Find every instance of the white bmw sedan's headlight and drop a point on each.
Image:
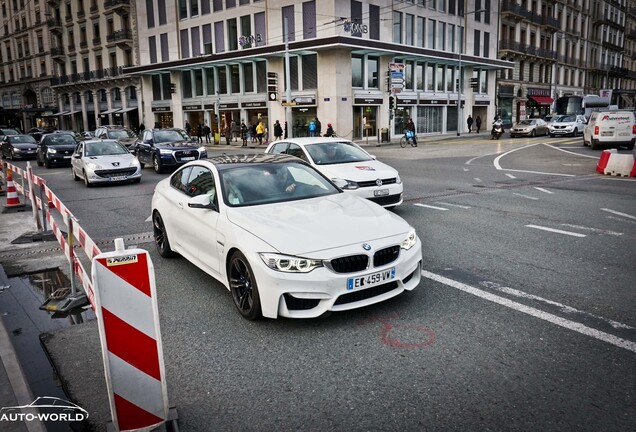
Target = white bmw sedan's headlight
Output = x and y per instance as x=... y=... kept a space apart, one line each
x=410 y=240
x=289 y=264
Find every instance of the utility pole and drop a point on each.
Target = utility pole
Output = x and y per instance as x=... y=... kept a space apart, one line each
x=288 y=109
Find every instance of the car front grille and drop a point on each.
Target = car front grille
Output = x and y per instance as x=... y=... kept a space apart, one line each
x=386 y=200
x=386 y=256
x=372 y=183
x=180 y=154
x=350 y=264
x=116 y=172
x=368 y=293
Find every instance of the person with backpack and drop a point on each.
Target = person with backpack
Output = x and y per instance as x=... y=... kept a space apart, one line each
x=260 y=131
x=278 y=131
x=312 y=128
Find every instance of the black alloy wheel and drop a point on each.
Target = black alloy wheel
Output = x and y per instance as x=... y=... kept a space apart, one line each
x=161 y=236
x=243 y=287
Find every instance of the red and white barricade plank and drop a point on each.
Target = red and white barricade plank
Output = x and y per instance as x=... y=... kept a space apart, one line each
x=127 y=313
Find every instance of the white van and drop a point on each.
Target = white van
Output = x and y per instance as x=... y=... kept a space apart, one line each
x=610 y=129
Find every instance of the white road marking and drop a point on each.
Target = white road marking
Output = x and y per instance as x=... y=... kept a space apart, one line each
x=497 y=166
x=618 y=178
x=149 y=219
x=570 y=233
x=525 y=196
x=431 y=207
x=600 y=231
x=478 y=180
x=466 y=170
x=571 y=152
x=454 y=205
x=562 y=322
x=619 y=213
x=564 y=308
x=511 y=176
x=544 y=190
x=496 y=161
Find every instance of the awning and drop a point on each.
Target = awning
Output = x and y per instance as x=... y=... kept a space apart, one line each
x=72 y=112
x=542 y=100
x=128 y=109
x=60 y=113
x=110 y=111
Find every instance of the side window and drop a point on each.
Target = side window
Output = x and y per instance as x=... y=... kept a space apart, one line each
x=200 y=182
x=295 y=150
x=279 y=148
x=180 y=179
x=79 y=148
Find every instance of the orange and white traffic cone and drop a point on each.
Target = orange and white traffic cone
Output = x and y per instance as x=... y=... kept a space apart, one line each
x=13 y=201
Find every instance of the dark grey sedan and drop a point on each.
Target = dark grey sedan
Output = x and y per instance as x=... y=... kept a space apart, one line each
x=18 y=147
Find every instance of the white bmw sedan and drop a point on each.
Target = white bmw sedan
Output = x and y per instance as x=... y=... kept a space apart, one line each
x=348 y=165
x=282 y=238
x=104 y=161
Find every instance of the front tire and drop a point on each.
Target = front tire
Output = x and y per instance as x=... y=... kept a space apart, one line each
x=86 y=182
x=156 y=164
x=575 y=133
x=161 y=236
x=533 y=133
x=243 y=287
x=39 y=161
x=403 y=142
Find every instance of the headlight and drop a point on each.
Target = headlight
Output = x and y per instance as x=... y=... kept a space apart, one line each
x=165 y=151
x=410 y=240
x=398 y=180
x=201 y=149
x=348 y=184
x=17 y=150
x=134 y=162
x=289 y=264
x=51 y=150
x=92 y=166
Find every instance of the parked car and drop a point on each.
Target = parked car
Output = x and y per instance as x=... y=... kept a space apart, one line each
x=9 y=131
x=529 y=127
x=348 y=165
x=120 y=133
x=567 y=125
x=167 y=148
x=610 y=129
x=293 y=243
x=56 y=149
x=18 y=147
x=104 y=161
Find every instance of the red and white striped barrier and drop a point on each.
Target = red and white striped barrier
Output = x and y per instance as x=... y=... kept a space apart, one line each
x=127 y=313
x=616 y=164
x=13 y=201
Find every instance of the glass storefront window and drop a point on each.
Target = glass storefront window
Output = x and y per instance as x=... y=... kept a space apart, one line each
x=248 y=78
x=372 y=72
x=222 y=79
x=356 y=72
x=429 y=119
x=439 y=83
x=430 y=77
x=198 y=82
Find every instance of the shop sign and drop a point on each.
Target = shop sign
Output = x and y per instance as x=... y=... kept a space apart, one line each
x=368 y=101
x=435 y=102
x=302 y=101
x=250 y=40
x=227 y=106
x=351 y=27
x=404 y=101
x=208 y=107
x=261 y=104
x=538 y=92
x=192 y=107
x=482 y=102
x=161 y=109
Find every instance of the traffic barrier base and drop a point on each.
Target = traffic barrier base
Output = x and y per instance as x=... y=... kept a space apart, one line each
x=619 y=165
x=602 y=162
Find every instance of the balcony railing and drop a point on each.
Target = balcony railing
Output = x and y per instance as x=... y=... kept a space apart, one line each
x=548 y=21
x=97 y=41
x=119 y=35
x=111 y=72
x=57 y=51
x=116 y=5
x=508 y=6
x=54 y=24
x=528 y=49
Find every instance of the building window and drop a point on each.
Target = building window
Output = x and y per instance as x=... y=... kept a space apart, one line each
x=486 y=44
x=47 y=96
x=309 y=19
x=196 y=42
x=152 y=49
x=232 y=34
x=439 y=83
x=356 y=71
x=374 y=22
x=165 y=52
x=194 y=7
x=430 y=34
x=183 y=9
x=310 y=71
x=219 y=37
x=209 y=81
x=476 y=42
x=248 y=77
x=235 y=78
x=522 y=66
x=441 y=36
x=397 y=27
x=421 y=32
x=410 y=30
x=185 y=44
x=288 y=12
x=150 y=13
x=372 y=72
x=161 y=6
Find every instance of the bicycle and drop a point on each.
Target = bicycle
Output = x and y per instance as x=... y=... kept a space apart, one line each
x=409 y=137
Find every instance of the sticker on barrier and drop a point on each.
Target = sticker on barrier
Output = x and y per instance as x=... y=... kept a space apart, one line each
x=127 y=313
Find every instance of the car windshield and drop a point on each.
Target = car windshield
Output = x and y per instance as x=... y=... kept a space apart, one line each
x=10 y=132
x=336 y=153
x=58 y=139
x=527 y=122
x=121 y=134
x=23 y=139
x=104 y=148
x=254 y=184
x=566 y=119
x=168 y=136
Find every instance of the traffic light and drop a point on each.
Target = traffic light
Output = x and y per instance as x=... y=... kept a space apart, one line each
x=474 y=83
x=272 y=86
x=393 y=102
x=173 y=88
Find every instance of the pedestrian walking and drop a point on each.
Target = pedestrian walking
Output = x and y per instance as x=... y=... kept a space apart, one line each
x=235 y=130
x=278 y=131
x=188 y=128
x=318 y=127
x=200 y=133
x=312 y=128
x=469 y=122
x=260 y=131
x=253 y=131
x=206 y=133
x=478 y=123
x=228 y=133
x=244 y=133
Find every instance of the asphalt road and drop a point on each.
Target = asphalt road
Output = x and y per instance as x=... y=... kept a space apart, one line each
x=525 y=318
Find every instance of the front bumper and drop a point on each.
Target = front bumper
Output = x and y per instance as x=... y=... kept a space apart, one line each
x=113 y=175
x=310 y=295
x=24 y=154
x=386 y=196
x=180 y=157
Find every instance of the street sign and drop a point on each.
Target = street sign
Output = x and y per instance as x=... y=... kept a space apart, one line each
x=288 y=103
x=396 y=66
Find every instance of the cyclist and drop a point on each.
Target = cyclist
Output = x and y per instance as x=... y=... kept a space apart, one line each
x=410 y=126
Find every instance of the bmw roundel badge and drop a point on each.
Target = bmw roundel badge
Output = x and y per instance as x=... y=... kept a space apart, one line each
x=366 y=246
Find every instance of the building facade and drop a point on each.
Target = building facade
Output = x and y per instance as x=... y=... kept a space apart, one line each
x=61 y=64
x=560 y=48
x=214 y=62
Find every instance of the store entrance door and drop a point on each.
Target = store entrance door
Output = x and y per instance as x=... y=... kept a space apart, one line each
x=365 y=122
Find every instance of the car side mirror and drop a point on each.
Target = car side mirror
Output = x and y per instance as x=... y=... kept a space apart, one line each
x=204 y=201
x=77 y=155
x=148 y=142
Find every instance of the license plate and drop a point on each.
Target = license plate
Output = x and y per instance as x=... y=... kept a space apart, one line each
x=119 y=178
x=67 y=157
x=371 y=279
x=189 y=158
x=381 y=192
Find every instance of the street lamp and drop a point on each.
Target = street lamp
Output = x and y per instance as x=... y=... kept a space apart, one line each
x=459 y=69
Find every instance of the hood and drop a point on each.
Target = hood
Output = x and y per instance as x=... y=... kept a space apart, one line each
x=127 y=141
x=178 y=144
x=358 y=171
x=62 y=146
x=107 y=161
x=312 y=225
x=25 y=146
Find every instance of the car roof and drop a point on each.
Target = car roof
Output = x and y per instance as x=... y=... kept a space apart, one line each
x=312 y=140
x=227 y=161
